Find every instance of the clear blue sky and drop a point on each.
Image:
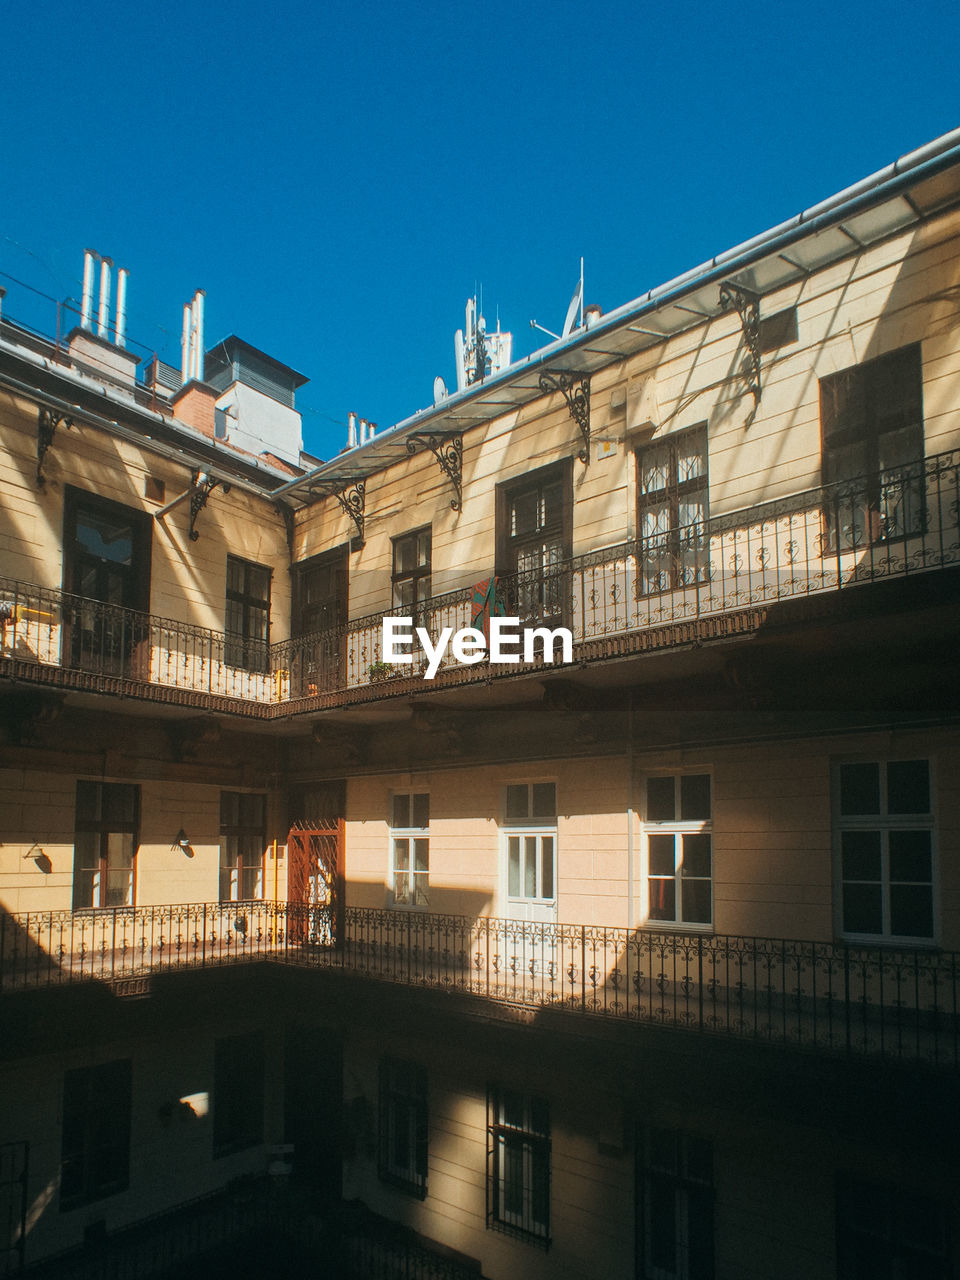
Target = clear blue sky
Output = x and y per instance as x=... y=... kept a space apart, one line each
x=338 y=178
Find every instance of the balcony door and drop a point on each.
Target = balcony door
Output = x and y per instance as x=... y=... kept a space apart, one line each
x=106 y=568
x=672 y=511
x=534 y=544
x=319 y=622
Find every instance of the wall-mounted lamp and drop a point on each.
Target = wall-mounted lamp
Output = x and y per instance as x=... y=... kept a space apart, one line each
x=181 y=842
x=40 y=857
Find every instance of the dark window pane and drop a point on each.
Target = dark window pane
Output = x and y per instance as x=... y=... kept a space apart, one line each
x=546 y=873
x=513 y=867
x=544 y=799
x=908 y=786
x=663 y=900
x=862 y=908
x=663 y=1225
x=517 y=802
x=860 y=855
x=696 y=855
x=860 y=788
x=694 y=796
x=696 y=902
x=401 y=810
x=662 y=854
x=911 y=911
x=910 y=856
x=88 y=801
x=421 y=809
x=661 y=805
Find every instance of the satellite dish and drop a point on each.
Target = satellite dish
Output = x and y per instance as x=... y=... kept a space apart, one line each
x=440 y=391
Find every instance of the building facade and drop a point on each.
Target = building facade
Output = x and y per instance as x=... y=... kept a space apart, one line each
x=607 y=966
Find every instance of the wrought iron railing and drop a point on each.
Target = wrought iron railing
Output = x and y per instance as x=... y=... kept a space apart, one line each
x=895 y=524
x=891 y=1002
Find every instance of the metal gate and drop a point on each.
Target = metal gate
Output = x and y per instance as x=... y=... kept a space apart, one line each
x=315 y=888
x=13 y=1206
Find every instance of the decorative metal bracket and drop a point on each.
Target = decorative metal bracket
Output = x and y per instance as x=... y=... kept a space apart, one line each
x=747 y=305
x=201 y=487
x=351 y=497
x=47 y=422
x=575 y=389
x=448 y=451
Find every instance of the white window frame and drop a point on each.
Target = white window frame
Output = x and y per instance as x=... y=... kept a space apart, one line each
x=533 y=829
x=885 y=823
x=418 y=898
x=677 y=827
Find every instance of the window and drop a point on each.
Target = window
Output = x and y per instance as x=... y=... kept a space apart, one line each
x=410 y=849
x=675 y=1206
x=672 y=511
x=531 y=807
x=238 y=1092
x=411 y=572
x=885 y=1233
x=243 y=837
x=248 y=615
x=320 y=588
x=871 y=425
x=884 y=832
x=95 y=1149
x=534 y=543
x=105 y=844
x=678 y=826
x=403 y=1126
x=518 y=1152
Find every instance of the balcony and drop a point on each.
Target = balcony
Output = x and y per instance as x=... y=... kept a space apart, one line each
x=666 y=589
x=882 y=1003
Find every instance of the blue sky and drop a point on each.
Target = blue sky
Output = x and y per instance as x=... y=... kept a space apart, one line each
x=339 y=178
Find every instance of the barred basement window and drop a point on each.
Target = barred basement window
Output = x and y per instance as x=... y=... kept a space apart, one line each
x=403 y=1126
x=674 y=1212
x=95 y=1146
x=885 y=1232
x=518 y=1161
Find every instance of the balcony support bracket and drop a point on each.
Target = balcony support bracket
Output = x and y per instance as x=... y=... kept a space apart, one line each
x=448 y=451
x=746 y=303
x=575 y=389
x=351 y=496
x=47 y=422
x=201 y=487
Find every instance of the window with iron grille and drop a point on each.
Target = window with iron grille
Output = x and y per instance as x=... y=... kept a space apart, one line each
x=886 y=1233
x=247 y=628
x=871 y=426
x=410 y=849
x=238 y=1092
x=518 y=1154
x=678 y=828
x=674 y=1212
x=884 y=833
x=95 y=1144
x=243 y=838
x=673 y=507
x=105 y=844
x=403 y=1126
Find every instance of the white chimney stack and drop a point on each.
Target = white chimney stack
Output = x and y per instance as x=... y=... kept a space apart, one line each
x=86 y=306
x=185 y=344
x=351 y=430
x=103 y=319
x=363 y=431
x=121 y=323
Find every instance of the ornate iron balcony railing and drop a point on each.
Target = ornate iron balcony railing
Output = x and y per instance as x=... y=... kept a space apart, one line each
x=896 y=524
x=890 y=1003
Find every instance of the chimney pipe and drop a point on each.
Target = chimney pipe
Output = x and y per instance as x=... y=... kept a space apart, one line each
x=371 y=430
x=198 y=299
x=86 y=306
x=363 y=431
x=121 y=323
x=185 y=345
x=103 y=319
x=351 y=430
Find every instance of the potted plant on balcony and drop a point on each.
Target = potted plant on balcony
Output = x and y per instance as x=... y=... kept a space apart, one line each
x=379 y=671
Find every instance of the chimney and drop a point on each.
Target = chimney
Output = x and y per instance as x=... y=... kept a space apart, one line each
x=351 y=430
